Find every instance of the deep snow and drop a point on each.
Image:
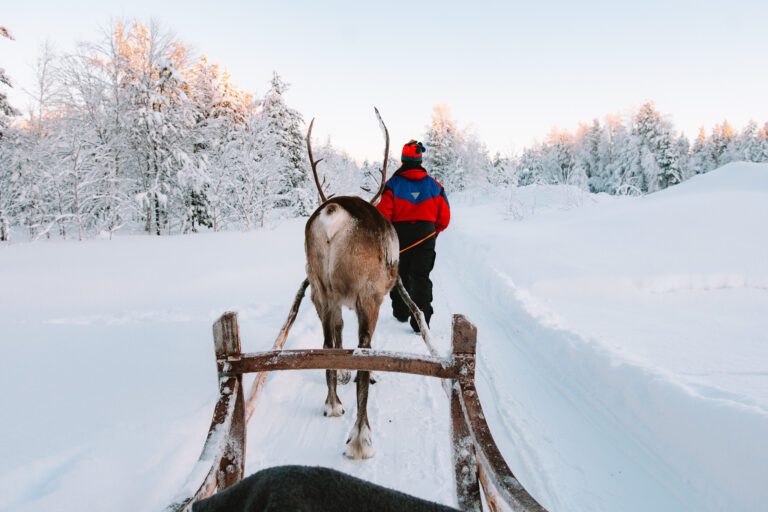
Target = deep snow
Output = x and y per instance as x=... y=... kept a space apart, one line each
x=623 y=347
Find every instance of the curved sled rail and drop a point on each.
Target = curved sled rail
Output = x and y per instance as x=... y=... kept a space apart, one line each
x=478 y=463
x=222 y=460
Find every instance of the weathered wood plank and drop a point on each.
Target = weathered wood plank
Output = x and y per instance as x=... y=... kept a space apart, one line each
x=231 y=467
x=463 y=336
x=464 y=460
x=226 y=336
x=341 y=359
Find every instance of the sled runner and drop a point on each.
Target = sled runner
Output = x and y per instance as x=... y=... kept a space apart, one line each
x=477 y=460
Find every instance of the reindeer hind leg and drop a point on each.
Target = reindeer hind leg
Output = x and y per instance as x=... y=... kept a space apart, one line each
x=333 y=405
x=343 y=376
x=360 y=442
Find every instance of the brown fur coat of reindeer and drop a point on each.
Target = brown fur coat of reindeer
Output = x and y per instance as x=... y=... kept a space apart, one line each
x=352 y=260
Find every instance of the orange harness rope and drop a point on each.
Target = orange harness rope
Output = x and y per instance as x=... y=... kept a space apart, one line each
x=417 y=243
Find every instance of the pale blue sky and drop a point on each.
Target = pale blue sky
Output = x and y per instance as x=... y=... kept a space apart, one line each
x=512 y=70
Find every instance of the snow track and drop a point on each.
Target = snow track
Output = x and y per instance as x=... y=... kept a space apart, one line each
x=561 y=441
x=409 y=416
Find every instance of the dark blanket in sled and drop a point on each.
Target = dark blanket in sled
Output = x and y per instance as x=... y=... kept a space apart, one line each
x=303 y=488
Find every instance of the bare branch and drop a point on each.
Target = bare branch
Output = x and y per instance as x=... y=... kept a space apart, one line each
x=386 y=158
x=314 y=163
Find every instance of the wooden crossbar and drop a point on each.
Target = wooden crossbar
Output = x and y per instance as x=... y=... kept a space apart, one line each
x=341 y=359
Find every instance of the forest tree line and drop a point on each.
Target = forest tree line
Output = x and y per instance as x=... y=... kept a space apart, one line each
x=134 y=132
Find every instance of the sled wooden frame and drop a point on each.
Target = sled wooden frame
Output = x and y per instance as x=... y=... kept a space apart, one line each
x=477 y=460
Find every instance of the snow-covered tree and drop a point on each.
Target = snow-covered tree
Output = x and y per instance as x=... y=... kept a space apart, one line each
x=159 y=125
x=626 y=170
x=282 y=150
x=443 y=143
x=588 y=157
x=10 y=183
x=6 y=110
x=722 y=143
x=529 y=166
x=41 y=202
x=683 y=149
x=746 y=146
x=132 y=130
x=9 y=189
x=702 y=157
x=609 y=148
x=475 y=161
x=659 y=151
x=222 y=113
x=94 y=110
x=502 y=171
x=761 y=150
x=557 y=160
x=253 y=187
x=339 y=171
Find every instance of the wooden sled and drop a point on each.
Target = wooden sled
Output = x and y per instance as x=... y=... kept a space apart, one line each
x=477 y=460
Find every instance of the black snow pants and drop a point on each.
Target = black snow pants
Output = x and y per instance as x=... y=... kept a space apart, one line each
x=415 y=266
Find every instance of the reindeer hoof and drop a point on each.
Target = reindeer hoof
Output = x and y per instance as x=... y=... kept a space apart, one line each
x=333 y=410
x=344 y=376
x=359 y=444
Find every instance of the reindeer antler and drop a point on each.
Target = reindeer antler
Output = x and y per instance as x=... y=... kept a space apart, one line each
x=314 y=163
x=386 y=157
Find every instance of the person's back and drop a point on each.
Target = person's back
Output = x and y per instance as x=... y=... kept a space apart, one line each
x=418 y=208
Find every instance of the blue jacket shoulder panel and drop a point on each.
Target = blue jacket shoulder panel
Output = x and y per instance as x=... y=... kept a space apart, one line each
x=415 y=191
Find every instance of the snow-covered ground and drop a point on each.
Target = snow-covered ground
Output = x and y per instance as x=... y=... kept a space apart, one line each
x=623 y=346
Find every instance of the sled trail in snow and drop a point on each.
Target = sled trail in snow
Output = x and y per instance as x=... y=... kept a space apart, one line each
x=409 y=417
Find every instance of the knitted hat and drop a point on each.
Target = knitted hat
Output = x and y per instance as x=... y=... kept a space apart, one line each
x=412 y=152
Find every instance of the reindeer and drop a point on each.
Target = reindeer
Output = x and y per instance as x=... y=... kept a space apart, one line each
x=352 y=260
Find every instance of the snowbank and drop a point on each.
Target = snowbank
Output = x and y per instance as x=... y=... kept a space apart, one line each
x=652 y=313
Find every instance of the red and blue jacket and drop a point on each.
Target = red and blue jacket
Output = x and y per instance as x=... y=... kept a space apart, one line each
x=411 y=195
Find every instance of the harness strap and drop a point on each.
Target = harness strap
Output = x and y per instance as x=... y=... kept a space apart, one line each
x=419 y=242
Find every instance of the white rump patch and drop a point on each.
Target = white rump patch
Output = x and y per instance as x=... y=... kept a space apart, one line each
x=334 y=219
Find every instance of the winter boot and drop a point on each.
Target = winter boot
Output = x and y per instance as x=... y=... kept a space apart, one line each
x=400 y=316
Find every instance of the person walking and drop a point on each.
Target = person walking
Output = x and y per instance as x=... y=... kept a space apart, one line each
x=418 y=208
